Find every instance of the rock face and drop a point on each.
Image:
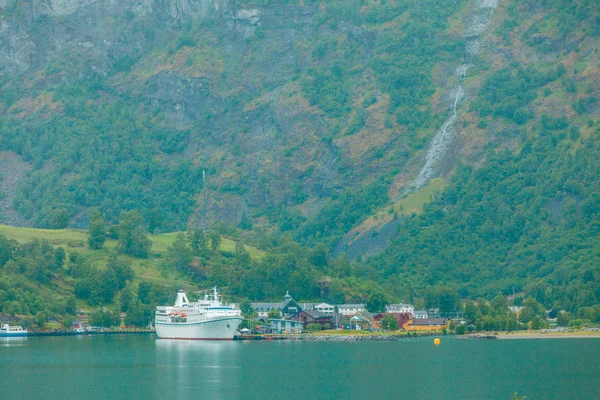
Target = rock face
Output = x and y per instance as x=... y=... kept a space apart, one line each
x=237 y=81
x=12 y=171
x=35 y=31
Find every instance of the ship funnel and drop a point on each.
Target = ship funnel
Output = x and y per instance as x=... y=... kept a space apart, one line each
x=182 y=299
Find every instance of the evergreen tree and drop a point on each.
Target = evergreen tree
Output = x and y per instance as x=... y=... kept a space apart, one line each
x=377 y=302
x=215 y=241
x=197 y=240
x=96 y=231
x=59 y=257
x=121 y=268
x=133 y=239
x=179 y=254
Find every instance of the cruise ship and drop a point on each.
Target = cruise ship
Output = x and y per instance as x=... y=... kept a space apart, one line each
x=12 y=331
x=206 y=319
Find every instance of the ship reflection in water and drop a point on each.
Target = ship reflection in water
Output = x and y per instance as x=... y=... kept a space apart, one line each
x=13 y=341
x=189 y=367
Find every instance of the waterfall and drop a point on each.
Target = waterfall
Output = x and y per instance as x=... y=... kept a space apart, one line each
x=442 y=140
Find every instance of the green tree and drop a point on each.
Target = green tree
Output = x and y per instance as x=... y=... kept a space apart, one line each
x=41 y=318
x=447 y=298
x=133 y=239
x=470 y=310
x=108 y=285
x=389 y=322
x=96 y=230
x=127 y=298
x=136 y=315
x=144 y=292
x=67 y=321
x=197 y=240
x=122 y=269
x=563 y=318
x=377 y=302
x=215 y=240
x=6 y=250
x=500 y=304
x=319 y=257
x=246 y=307
x=71 y=306
x=536 y=323
x=179 y=254
x=59 y=219
x=59 y=257
x=531 y=309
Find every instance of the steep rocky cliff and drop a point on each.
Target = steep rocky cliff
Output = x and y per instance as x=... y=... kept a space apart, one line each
x=318 y=118
x=284 y=104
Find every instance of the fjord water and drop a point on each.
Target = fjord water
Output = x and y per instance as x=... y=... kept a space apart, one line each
x=143 y=367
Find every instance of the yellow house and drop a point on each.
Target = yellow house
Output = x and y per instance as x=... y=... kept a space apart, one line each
x=427 y=324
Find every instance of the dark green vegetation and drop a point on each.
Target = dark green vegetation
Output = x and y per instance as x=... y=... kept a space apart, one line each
x=308 y=123
x=526 y=220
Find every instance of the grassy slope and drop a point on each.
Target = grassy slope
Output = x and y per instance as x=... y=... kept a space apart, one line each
x=411 y=204
x=145 y=269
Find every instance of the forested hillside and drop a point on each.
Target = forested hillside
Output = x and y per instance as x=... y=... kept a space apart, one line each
x=396 y=144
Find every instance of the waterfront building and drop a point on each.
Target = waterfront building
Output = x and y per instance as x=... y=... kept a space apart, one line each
x=350 y=309
x=362 y=321
x=427 y=324
x=401 y=318
x=286 y=326
x=288 y=307
x=325 y=308
x=400 y=308
x=326 y=321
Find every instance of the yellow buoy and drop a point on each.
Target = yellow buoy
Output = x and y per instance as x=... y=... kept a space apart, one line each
x=436 y=341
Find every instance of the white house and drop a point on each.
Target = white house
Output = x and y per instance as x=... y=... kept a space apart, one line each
x=400 y=308
x=325 y=308
x=421 y=314
x=350 y=309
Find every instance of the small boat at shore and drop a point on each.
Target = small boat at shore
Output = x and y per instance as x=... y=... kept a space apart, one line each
x=12 y=331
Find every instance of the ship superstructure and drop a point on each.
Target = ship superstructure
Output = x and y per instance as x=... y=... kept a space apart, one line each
x=12 y=331
x=206 y=319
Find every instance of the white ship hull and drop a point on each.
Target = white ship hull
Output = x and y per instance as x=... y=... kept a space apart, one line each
x=216 y=329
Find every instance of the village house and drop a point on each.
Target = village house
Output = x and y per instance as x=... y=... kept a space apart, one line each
x=286 y=326
x=427 y=324
x=348 y=310
x=325 y=308
x=288 y=307
x=421 y=314
x=400 y=308
x=360 y=322
x=326 y=321
x=401 y=318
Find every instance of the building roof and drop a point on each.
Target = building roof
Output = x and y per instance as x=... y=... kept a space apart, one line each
x=316 y=314
x=265 y=306
x=429 y=321
x=399 y=305
x=323 y=305
x=351 y=306
x=398 y=315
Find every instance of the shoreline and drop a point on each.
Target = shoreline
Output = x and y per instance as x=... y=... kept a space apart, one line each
x=550 y=335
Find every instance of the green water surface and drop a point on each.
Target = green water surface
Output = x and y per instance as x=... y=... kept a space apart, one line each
x=143 y=367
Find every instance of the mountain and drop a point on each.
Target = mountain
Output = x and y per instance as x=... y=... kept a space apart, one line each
x=433 y=143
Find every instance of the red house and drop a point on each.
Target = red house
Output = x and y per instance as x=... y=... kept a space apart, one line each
x=401 y=318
